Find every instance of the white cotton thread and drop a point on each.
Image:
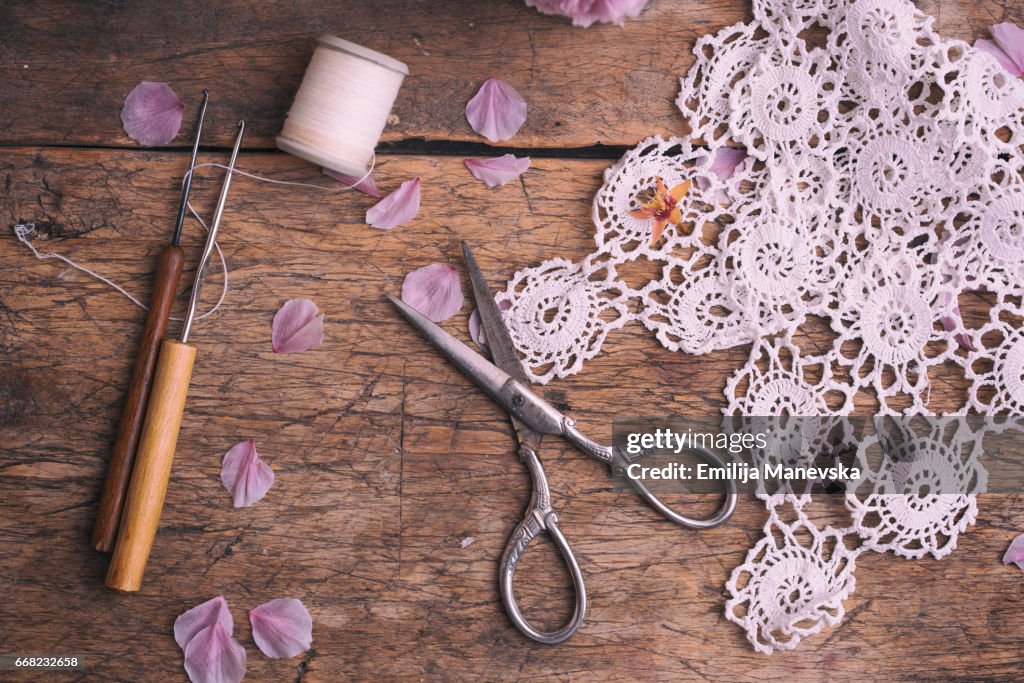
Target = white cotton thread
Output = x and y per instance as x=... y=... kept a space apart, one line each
x=24 y=231
x=342 y=106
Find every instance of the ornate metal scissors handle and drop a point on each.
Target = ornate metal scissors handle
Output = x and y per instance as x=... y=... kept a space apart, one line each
x=527 y=406
x=540 y=517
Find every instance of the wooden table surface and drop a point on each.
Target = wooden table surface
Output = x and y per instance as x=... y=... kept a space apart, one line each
x=386 y=458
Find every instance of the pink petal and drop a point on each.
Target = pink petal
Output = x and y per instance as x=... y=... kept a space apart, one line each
x=610 y=11
x=298 y=326
x=1010 y=38
x=213 y=656
x=244 y=475
x=214 y=610
x=988 y=46
x=496 y=111
x=152 y=114
x=1015 y=553
x=282 y=628
x=400 y=206
x=954 y=321
x=365 y=185
x=498 y=171
x=727 y=160
x=476 y=330
x=434 y=291
x=585 y=12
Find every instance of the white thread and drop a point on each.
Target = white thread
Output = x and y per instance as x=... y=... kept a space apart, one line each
x=24 y=230
x=342 y=106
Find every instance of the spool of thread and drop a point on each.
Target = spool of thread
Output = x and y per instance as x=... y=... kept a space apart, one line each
x=342 y=106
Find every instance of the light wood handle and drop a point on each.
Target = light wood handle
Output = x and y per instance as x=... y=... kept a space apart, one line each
x=148 y=486
x=119 y=471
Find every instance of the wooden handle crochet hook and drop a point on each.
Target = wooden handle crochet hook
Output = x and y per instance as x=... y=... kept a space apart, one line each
x=152 y=470
x=168 y=273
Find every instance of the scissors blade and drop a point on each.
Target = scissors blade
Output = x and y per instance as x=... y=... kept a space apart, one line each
x=487 y=376
x=516 y=398
x=499 y=341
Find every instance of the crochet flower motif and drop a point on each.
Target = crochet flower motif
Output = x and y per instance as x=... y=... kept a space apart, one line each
x=562 y=312
x=787 y=591
x=922 y=496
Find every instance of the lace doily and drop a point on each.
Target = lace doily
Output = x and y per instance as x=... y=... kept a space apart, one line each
x=883 y=179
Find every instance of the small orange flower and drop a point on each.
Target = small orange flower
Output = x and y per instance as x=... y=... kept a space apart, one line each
x=663 y=207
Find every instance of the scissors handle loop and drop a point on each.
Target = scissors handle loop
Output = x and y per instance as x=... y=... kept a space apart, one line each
x=620 y=465
x=540 y=517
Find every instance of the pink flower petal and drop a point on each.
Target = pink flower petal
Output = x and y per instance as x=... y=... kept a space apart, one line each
x=213 y=656
x=298 y=326
x=498 y=171
x=988 y=46
x=727 y=160
x=434 y=291
x=586 y=12
x=954 y=321
x=213 y=611
x=1010 y=38
x=244 y=475
x=152 y=114
x=496 y=111
x=476 y=330
x=399 y=207
x=365 y=185
x=1015 y=553
x=725 y=163
x=282 y=628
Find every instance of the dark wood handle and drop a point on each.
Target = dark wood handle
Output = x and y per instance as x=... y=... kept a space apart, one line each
x=119 y=471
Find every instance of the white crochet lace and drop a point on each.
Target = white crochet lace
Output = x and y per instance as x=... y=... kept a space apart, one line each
x=883 y=180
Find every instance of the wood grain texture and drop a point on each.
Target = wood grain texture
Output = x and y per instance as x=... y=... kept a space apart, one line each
x=66 y=66
x=386 y=457
x=119 y=470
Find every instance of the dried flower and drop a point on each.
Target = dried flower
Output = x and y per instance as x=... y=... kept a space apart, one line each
x=662 y=206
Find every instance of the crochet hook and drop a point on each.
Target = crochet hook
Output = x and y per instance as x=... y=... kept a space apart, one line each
x=168 y=273
x=152 y=470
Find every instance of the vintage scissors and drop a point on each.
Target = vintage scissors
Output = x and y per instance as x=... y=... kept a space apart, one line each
x=506 y=382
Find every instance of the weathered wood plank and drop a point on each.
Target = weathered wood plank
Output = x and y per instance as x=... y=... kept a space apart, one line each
x=386 y=457
x=61 y=84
